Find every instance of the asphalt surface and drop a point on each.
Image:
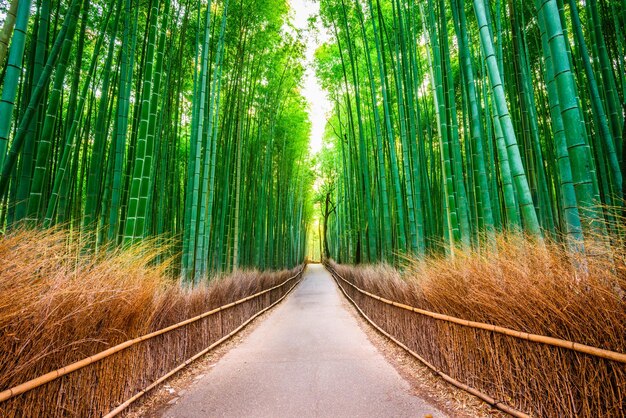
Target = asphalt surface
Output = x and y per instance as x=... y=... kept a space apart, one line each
x=308 y=358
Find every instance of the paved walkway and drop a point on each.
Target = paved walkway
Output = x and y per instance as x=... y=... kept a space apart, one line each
x=308 y=358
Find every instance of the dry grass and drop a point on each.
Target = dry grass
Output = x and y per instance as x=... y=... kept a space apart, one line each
x=58 y=306
x=521 y=285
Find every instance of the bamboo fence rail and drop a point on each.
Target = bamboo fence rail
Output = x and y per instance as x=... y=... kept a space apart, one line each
x=491 y=401
x=128 y=402
x=555 y=342
x=268 y=301
x=391 y=328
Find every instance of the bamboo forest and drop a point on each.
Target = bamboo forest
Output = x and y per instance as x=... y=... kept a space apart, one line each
x=453 y=165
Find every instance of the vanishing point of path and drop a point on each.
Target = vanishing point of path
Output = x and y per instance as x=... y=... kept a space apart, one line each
x=308 y=358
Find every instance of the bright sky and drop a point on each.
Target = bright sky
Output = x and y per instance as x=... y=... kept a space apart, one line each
x=319 y=105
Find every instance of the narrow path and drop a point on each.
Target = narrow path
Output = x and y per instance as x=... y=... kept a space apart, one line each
x=309 y=358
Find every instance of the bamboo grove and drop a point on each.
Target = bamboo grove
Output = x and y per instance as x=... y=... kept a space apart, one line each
x=126 y=119
x=456 y=120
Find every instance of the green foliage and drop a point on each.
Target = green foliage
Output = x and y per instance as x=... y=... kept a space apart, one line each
x=454 y=120
x=158 y=118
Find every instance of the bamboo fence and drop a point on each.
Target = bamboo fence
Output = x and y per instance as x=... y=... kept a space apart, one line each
x=84 y=388
x=542 y=375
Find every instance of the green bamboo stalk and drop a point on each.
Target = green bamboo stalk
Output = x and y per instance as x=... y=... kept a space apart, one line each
x=12 y=77
x=531 y=223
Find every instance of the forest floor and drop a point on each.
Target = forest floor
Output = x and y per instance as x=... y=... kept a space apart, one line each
x=311 y=356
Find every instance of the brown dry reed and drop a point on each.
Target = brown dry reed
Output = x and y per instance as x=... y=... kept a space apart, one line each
x=59 y=305
x=523 y=285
